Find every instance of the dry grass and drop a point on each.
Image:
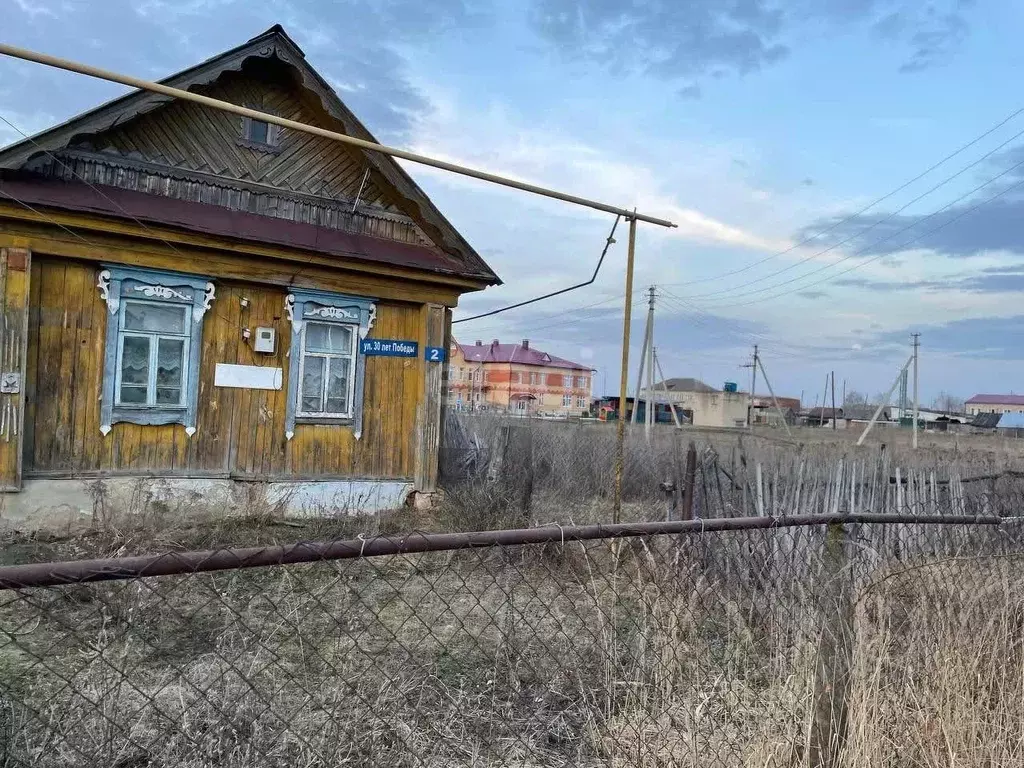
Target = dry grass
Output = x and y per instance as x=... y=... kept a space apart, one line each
x=665 y=653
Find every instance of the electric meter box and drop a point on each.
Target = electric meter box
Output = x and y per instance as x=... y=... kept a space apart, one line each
x=265 y=340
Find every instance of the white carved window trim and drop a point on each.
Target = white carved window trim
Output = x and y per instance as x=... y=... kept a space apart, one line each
x=303 y=306
x=118 y=284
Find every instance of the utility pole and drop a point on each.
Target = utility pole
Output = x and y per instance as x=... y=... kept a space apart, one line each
x=664 y=387
x=775 y=400
x=620 y=433
x=645 y=350
x=753 y=385
x=640 y=369
x=834 y=401
x=649 y=411
x=917 y=345
x=824 y=399
x=885 y=400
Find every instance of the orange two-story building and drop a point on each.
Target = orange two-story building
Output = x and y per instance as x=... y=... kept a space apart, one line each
x=516 y=378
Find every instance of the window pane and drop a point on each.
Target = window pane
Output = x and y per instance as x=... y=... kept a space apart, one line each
x=169 y=365
x=168 y=396
x=258 y=131
x=135 y=362
x=329 y=337
x=312 y=385
x=156 y=318
x=133 y=394
x=337 y=385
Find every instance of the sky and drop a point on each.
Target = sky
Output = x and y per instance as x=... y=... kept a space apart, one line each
x=843 y=173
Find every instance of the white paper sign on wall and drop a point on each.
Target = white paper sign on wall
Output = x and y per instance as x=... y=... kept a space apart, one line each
x=247 y=376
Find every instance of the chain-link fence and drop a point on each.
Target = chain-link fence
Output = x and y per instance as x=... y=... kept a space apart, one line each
x=854 y=644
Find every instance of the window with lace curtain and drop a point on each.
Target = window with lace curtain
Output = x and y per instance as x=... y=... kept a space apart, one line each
x=154 y=331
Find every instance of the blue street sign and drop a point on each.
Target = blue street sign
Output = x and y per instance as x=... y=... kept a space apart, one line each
x=389 y=347
x=434 y=354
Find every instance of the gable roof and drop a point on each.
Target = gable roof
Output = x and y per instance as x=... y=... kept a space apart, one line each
x=864 y=412
x=683 y=385
x=986 y=420
x=496 y=352
x=1011 y=421
x=996 y=400
x=275 y=42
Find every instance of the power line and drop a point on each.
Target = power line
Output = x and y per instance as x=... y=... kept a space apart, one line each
x=868 y=207
x=604 y=252
x=619 y=297
x=870 y=246
x=714 y=323
x=861 y=232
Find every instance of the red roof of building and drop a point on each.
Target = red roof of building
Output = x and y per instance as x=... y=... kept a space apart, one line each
x=214 y=220
x=520 y=354
x=996 y=400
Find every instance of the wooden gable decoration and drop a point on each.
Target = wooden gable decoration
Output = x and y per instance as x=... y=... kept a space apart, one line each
x=149 y=143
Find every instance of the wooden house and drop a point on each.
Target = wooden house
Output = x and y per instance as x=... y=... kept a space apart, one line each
x=205 y=301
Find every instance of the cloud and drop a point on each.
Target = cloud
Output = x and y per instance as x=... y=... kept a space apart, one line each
x=968 y=229
x=709 y=38
x=32 y=9
x=499 y=140
x=989 y=280
x=996 y=338
x=932 y=34
x=155 y=38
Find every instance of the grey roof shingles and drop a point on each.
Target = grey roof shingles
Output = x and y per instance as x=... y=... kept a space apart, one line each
x=683 y=385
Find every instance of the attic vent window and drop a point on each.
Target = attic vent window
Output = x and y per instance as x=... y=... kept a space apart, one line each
x=258 y=131
x=259 y=134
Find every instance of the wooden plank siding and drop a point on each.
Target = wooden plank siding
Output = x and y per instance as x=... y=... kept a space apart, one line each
x=152 y=247
x=15 y=288
x=240 y=432
x=193 y=137
x=190 y=152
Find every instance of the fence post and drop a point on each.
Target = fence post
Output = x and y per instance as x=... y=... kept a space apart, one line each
x=525 y=447
x=689 y=483
x=835 y=646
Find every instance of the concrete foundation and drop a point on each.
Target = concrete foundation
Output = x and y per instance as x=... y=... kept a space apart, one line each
x=48 y=503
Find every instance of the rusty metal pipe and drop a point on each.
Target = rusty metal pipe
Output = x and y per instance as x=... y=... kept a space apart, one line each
x=178 y=563
x=177 y=93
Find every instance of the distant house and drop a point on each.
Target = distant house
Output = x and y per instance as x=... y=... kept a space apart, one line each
x=985 y=421
x=995 y=404
x=518 y=378
x=707 y=406
x=765 y=411
x=814 y=417
x=863 y=413
x=607 y=408
x=1014 y=421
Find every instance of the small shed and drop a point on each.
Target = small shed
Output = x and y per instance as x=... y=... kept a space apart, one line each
x=196 y=300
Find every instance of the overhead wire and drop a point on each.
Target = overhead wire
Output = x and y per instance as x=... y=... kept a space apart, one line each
x=604 y=252
x=869 y=206
x=619 y=297
x=714 y=325
x=870 y=246
x=859 y=234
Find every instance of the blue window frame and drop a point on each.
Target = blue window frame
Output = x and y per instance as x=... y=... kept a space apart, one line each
x=326 y=370
x=154 y=332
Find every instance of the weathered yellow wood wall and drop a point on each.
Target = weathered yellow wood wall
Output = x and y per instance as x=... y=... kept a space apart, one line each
x=239 y=432
x=15 y=264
